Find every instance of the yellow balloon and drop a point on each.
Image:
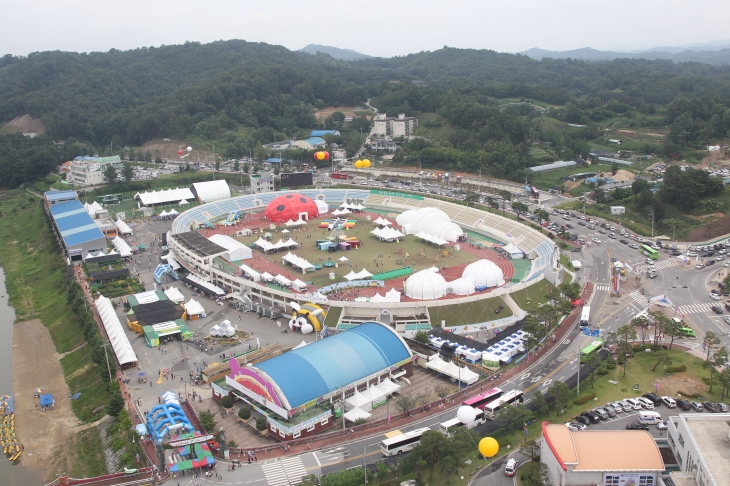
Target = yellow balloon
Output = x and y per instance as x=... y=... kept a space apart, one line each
x=366 y=163
x=358 y=164
x=488 y=447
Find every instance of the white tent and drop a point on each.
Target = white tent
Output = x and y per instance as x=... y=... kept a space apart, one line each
x=282 y=280
x=121 y=246
x=171 y=260
x=183 y=202
x=363 y=274
x=194 y=308
x=163 y=213
x=358 y=206
x=250 y=272
x=118 y=338
x=267 y=277
x=236 y=250
x=429 y=220
x=322 y=206
x=300 y=345
x=350 y=276
x=431 y=238
x=343 y=259
x=224 y=329
x=285 y=231
x=483 y=273
x=357 y=400
x=514 y=252
x=298 y=262
x=338 y=212
x=425 y=285
x=299 y=285
x=122 y=227
x=382 y=222
x=174 y=295
x=298 y=222
x=164 y=196
x=172 y=212
x=356 y=414
x=577 y=264
x=372 y=393
x=264 y=245
x=93 y=209
x=436 y=364
x=387 y=387
x=147 y=297
x=211 y=190
x=462 y=286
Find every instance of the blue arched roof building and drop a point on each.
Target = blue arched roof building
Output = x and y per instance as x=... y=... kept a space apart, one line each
x=322 y=367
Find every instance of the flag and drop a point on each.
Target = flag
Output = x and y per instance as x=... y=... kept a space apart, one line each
x=137 y=457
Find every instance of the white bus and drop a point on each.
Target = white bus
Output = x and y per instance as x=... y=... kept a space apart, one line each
x=402 y=443
x=447 y=428
x=511 y=397
x=585 y=316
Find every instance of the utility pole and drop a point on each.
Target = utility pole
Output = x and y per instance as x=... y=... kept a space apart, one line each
x=652 y=225
x=107 y=360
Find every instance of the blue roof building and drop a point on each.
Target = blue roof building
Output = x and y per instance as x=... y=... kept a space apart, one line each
x=77 y=230
x=322 y=133
x=315 y=373
x=59 y=197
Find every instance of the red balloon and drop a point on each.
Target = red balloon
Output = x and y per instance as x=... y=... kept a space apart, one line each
x=326 y=156
x=179 y=152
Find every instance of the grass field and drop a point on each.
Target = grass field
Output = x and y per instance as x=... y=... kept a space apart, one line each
x=553 y=178
x=82 y=375
x=433 y=126
x=532 y=295
x=364 y=257
x=469 y=313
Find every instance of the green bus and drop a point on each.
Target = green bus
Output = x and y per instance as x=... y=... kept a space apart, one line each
x=594 y=346
x=650 y=252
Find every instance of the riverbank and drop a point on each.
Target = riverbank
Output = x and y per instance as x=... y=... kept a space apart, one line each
x=45 y=435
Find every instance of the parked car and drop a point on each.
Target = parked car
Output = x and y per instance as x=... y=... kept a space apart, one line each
x=637 y=425
x=648 y=404
x=576 y=426
x=722 y=406
x=714 y=296
x=581 y=419
x=683 y=404
x=711 y=407
x=669 y=402
x=593 y=417
x=654 y=399
x=696 y=406
x=635 y=403
x=627 y=406
x=618 y=406
x=576 y=249
x=602 y=413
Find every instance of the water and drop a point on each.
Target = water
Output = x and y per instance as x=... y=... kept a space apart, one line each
x=11 y=475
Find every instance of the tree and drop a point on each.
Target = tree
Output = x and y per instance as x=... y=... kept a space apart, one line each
x=245 y=168
x=110 y=174
x=259 y=152
x=724 y=377
x=116 y=400
x=515 y=417
x=541 y=215
x=670 y=328
x=148 y=156
x=622 y=339
x=404 y=403
x=599 y=195
x=227 y=401
x=571 y=290
x=718 y=361
x=236 y=166
x=442 y=391
x=421 y=337
x=207 y=420
x=538 y=401
x=471 y=198
x=127 y=171
x=158 y=160
x=519 y=208
x=664 y=359
x=642 y=322
x=710 y=342
x=531 y=448
x=430 y=448
x=593 y=359
x=562 y=396
x=217 y=164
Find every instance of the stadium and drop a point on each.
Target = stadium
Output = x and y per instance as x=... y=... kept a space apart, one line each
x=363 y=255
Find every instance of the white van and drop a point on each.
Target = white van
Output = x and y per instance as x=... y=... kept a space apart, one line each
x=649 y=417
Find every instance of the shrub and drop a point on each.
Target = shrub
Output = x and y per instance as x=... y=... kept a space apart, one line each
x=584 y=399
x=611 y=365
x=244 y=413
x=227 y=401
x=261 y=423
x=602 y=371
x=689 y=395
x=675 y=369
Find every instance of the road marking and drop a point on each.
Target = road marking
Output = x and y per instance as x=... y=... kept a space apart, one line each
x=394 y=433
x=546 y=383
x=548 y=376
x=536 y=379
x=316 y=458
x=525 y=376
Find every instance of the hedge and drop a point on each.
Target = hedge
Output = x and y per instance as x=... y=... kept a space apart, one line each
x=584 y=399
x=689 y=395
x=675 y=369
x=244 y=413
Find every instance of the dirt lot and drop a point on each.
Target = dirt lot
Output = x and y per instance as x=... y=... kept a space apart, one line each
x=325 y=112
x=23 y=124
x=45 y=435
x=623 y=175
x=718 y=227
x=167 y=150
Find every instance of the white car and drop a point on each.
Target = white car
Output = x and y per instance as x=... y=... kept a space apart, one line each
x=714 y=297
x=726 y=265
x=691 y=253
x=596 y=240
x=662 y=425
x=634 y=246
x=648 y=404
x=634 y=403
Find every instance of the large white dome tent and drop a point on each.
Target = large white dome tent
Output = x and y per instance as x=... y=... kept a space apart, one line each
x=425 y=285
x=483 y=274
x=461 y=286
x=429 y=220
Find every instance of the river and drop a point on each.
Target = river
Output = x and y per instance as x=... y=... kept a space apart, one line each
x=11 y=475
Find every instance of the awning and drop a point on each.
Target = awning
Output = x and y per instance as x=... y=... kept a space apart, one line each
x=114 y=274
x=201 y=284
x=356 y=414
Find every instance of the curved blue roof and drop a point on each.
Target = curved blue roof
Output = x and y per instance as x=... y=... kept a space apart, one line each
x=322 y=367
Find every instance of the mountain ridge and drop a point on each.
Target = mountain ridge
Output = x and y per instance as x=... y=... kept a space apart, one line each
x=336 y=52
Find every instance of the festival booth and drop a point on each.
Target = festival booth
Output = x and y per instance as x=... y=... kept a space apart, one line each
x=223 y=330
x=249 y=272
x=356 y=414
x=299 y=285
x=174 y=294
x=122 y=227
x=390 y=296
x=160 y=332
x=513 y=252
x=194 y=454
x=194 y=310
x=120 y=342
x=122 y=247
x=282 y=280
x=206 y=287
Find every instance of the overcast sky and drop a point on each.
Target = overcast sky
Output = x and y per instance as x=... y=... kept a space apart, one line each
x=375 y=27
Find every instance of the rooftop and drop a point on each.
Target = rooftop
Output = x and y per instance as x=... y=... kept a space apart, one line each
x=199 y=244
x=56 y=195
x=585 y=450
x=710 y=433
x=74 y=223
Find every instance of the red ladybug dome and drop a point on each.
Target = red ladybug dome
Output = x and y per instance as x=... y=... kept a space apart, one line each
x=290 y=206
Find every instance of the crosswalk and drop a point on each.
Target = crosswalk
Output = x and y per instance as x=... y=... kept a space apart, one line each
x=603 y=287
x=695 y=308
x=640 y=299
x=284 y=471
x=658 y=265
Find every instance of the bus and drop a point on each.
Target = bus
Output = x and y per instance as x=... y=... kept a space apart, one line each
x=482 y=399
x=447 y=428
x=339 y=175
x=585 y=316
x=512 y=397
x=649 y=251
x=402 y=443
x=594 y=346
x=534 y=193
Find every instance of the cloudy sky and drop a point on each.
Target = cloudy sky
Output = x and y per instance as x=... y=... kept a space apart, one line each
x=375 y=27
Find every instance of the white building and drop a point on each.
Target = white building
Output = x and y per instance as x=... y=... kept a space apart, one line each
x=402 y=126
x=700 y=444
x=89 y=171
x=263 y=182
x=600 y=457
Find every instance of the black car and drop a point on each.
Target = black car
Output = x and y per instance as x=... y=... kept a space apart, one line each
x=582 y=419
x=576 y=249
x=582 y=223
x=625 y=242
x=716 y=309
x=569 y=225
x=683 y=404
x=709 y=262
x=592 y=416
x=711 y=407
x=676 y=253
x=637 y=425
x=654 y=399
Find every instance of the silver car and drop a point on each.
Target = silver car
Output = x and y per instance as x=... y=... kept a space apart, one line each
x=617 y=406
x=626 y=405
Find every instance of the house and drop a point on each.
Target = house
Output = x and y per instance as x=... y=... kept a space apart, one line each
x=402 y=126
x=309 y=144
x=383 y=144
x=263 y=182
